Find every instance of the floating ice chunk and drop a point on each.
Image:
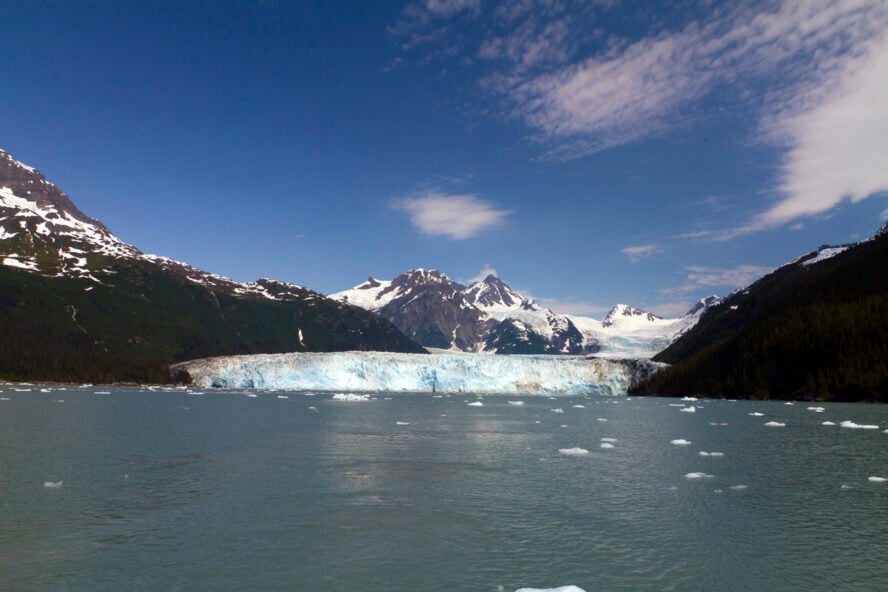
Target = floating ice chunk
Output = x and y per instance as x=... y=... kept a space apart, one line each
x=350 y=397
x=676 y=404
x=775 y=424
x=606 y=445
x=817 y=409
x=609 y=440
x=858 y=426
x=516 y=403
x=690 y=409
x=402 y=423
x=476 y=404
x=845 y=487
x=58 y=484
x=871 y=479
x=828 y=423
x=698 y=476
x=790 y=403
x=689 y=398
x=575 y=451
x=45 y=390
x=579 y=406
x=252 y=395
x=313 y=408
x=559 y=589
x=564 y=425
x=601 y=419
x=559 y=410
x=757 y=414
x=680 y=442
x=738 y=487
x=4 y=398
x=286 y=397
x=715 y=454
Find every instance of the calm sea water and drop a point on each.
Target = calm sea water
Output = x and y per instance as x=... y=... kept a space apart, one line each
x=172 y=491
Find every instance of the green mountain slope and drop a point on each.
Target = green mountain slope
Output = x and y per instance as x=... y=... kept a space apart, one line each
x=78 y=304
x=815 y=331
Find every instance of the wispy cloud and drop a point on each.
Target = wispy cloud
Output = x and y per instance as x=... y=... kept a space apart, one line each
x=455 y=216
x=714 y=278
x=639 y=252
x=809 y=75
x=485 y=271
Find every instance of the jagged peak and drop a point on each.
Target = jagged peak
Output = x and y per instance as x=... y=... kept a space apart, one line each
x=624 y=310
x=703 y=304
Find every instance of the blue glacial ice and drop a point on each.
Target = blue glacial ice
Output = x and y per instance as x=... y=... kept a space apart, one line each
x=421 y=373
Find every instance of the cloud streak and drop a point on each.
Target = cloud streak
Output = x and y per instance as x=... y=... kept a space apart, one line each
x=457 y=217
x=709 y=278
x=639 y=252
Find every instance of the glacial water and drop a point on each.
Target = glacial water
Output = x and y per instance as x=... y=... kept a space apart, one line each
x=138 y=490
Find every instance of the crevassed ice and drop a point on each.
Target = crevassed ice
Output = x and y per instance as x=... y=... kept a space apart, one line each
x=423 y=373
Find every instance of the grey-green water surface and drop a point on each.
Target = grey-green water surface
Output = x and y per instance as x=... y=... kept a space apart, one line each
x=172 y=491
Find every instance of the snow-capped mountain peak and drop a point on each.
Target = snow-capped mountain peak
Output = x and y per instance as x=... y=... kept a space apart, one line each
x=625 y=315
x=492 y=293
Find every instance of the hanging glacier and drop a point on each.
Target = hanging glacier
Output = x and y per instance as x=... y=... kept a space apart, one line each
x=420 y=373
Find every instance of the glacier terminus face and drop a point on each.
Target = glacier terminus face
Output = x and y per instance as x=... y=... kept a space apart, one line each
x=446 y=373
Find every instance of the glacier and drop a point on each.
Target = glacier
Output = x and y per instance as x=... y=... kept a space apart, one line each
x=420 y=373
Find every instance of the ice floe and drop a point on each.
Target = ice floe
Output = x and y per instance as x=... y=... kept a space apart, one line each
x=476 y=404
x=775 y=424
x=858 y=426
x=606 y=445
x=757 y=414
x=516 y=403
x=58 y=484
x=698 y=476
x=716 y=454
x=817 y=409
x=680 y=442
x=575 y=451
x=350 y=397
x=738 y=487
x=579 y=406
x=559 y=589
x=690 y=409
x=872 y=479
x=689 y=398
x=828 y=423
x=608 y=439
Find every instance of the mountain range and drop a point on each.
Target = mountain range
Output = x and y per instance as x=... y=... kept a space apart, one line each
x=78 y=303
x=489 y=316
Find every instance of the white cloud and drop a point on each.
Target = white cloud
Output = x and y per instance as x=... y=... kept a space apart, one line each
x=671 y=310
x=639 y=252
x=700 y=277
x=485 y=271
x=839 y=148
x=455 y=216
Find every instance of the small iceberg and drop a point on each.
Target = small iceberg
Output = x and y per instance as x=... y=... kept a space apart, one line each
x=58 y=484
x=402 y=423
x=738 y=487
x=606 y=445
x=560 y=589
x=516 y=403
x=693 y=399
x=350 y=397
x=476 y=404
x=757 y=414
x=828 y=423
x=575 y=451
x=871 y=479
x=817 y=409
x=698 y=476
x=680 y=442
x=579 y=406
x=601 y=419
x=715 y=454
x=608 y=439
x=775 y=424
x=858 y=426
x=690 y=409
x=559 y=410
x=252 y=395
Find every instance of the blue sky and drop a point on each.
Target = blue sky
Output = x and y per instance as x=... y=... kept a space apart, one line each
x=589 y=152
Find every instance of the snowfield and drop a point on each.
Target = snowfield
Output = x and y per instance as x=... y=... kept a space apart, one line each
x=431 y=373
